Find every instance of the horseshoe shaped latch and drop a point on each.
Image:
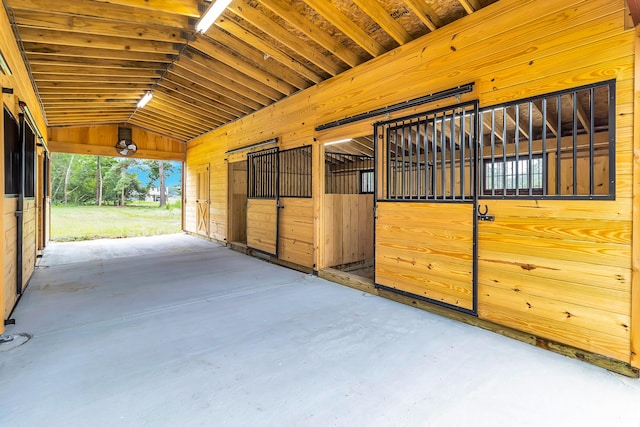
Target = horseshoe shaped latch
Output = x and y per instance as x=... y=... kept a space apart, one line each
x=482 y=214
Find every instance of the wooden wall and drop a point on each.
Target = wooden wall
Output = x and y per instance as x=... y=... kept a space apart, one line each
x=510 y=50
x=20 y=83
x=101 y=140
x=348 y=228
x=237 y=215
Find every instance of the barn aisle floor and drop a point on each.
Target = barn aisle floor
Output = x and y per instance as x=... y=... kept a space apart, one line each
x=178 y=331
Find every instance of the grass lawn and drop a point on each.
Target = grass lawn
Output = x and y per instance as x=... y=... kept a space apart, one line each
x=98 y=222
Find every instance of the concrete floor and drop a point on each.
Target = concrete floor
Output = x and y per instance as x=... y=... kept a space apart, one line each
x=177 y=331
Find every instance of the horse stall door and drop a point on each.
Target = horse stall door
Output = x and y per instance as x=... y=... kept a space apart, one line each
x=237 y=202
x=425 y=207
x=295 y=207
x=262 y=201
x=202 y=201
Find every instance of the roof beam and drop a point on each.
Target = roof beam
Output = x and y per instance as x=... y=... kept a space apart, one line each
x=197 y=95
x=70 y=70
x=470 y=6
x=336 y=18
x=247 y=36
x=96 y=26
x=87 y=52
x=238 y=65
x=384 y=19
x=258 y=58
x=102 y=10
x=312 y=31
x=67 y=38
x=73 y=61
x=260 y=21
x=425 y=13
x=178 y=7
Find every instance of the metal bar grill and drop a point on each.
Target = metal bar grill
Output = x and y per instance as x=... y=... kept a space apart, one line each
x=429 y=156
x=294 y=179
x=559 y=145
x=348 y=173
x=262 y=170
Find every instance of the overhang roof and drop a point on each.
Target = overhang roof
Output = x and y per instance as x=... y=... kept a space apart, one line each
x=92 y=60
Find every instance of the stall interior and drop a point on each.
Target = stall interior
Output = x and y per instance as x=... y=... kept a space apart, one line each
x=348 y=206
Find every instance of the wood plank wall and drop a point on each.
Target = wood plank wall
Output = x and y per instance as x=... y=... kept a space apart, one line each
x=348 y=225
x=510 y=50
x=101 y=140
x=20 y=83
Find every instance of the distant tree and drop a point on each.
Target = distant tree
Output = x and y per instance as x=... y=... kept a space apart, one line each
x=158 y=171
x=122 y=183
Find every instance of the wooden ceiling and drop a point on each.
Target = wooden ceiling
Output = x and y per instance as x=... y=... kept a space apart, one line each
x=92 y=60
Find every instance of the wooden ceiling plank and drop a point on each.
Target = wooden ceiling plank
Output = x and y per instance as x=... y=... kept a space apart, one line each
x=67 y=38
x=215 y=51
x=225 y=94
x=201 y=99
x=101 y=10
x=160 y=121
x=385 y=20
x=57 y=92
x=339 y=20
x=190 y=112
x=260 y=21
x=188 y=116
x=106 y=106
x=142 y=126
x=178 y=7
x=54 y=98
x=186 y=91
x=97 y=26
x=145 y=126
x=85 y=52
x=218 y=73
x=43 y=59
x=205 y=110
x=238 y=31
x=424 y=13
x=93 y=102
x=88 y=78
x=173 y=117
x=256 y=58
x=312 y=31
x=89 y=71
x=114 y=87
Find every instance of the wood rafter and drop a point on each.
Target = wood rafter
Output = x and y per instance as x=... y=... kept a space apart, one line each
x=92 y=60
x=312 y=31
x=384 y=19
x=260 y=21
x=425 y=14
x=344 y=24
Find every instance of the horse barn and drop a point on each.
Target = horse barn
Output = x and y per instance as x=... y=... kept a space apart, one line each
x=477 y=159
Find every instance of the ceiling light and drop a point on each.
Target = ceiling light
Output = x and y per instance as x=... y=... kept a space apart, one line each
x=210 y=16
x=146 y=98
x=340 y=141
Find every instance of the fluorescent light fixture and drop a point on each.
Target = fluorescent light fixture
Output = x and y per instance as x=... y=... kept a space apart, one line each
x=340 y=141
x=4 y=66
x=146 y=98
x=210 y=16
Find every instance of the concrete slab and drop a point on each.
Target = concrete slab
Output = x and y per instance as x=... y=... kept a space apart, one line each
x=176 y=330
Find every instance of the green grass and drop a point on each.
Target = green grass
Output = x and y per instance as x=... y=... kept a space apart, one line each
x=69 y=223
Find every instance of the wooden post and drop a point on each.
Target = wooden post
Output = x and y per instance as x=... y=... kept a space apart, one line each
x=2 y=252
x=635 y=274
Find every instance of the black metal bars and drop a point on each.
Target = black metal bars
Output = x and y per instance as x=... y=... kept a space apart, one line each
x=560 y=145
x=429 y=156
x=348 y=173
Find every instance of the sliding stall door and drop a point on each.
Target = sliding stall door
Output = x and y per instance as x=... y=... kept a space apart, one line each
x=425 y=207
x=262 y=201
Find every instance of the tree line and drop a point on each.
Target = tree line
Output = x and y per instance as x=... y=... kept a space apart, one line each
x=83 y=180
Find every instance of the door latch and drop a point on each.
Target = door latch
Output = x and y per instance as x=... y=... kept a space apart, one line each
x=482 y=214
